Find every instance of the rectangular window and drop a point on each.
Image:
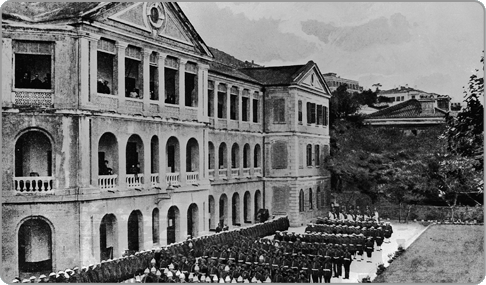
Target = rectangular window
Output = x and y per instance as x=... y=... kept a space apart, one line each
x=403 y=98
x=33 y=64
x=320 y=120
x=191 y=85
x=309 y=117
x=299 y=106
x=255 y=110
x=234 y=107
x=313 y=113
x=171 y=78
x=317 y=155
x=133 y=71
x=245 y=108
x=279 y=111
x=211 y=99
x=222 y=101
x=309 y=155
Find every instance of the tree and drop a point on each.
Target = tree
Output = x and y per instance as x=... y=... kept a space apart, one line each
x=342 y=105
x=464 y=133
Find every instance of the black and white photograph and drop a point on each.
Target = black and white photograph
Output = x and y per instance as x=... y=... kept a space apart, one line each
x=242 y=142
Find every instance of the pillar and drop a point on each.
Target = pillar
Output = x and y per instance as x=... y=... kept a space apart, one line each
x=93 y=66
x=162 y=163
x=183 y=222
x=250 y=119
x=122 y=161
x=182 y=161
x=121 y=71
x=182 y=83
x=147 y=159
x=84 y=70
x=84 y=147
x=215 y=103
x=216 y=160
x=146 y=78
x=161 y=67
x=228 y=104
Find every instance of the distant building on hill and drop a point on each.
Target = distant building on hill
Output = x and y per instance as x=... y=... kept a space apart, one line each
x=334 y=81
x=405 y=93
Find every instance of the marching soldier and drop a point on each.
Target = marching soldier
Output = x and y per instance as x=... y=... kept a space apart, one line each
x=347 y=259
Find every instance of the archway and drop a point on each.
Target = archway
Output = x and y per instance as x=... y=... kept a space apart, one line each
x=246 y=207
x=212 y=212
x=192 y=161
x=258 y=202
x=134 y=162
x=211 y=159
x=173 y=226
x=108 y=237
x=223 y=210
x=135 y=231
x=35 y=247
x=33 y=158
x=154 y=161
x=173 y=161
x=235 y=209
x=246 y=156
x=107 y=161
x=193 y=220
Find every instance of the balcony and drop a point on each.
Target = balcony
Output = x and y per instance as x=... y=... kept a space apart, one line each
x=173 y=178
x=235 y=173
x=34 y=185
x=134 y=181
x=246 y=172
x=211 y=173
x=33 y=98
x=154 y=180
x=223 y=173
x=258 y=172
x=192 y=177
x=107 y=181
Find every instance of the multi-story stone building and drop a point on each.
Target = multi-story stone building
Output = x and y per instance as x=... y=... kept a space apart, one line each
x=334 y=81
x=123 y=131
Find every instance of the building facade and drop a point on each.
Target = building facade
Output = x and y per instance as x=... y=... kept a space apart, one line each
x=405 y=93
x=123 y=131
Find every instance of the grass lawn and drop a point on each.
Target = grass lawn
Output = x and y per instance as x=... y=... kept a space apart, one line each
x=442 y=254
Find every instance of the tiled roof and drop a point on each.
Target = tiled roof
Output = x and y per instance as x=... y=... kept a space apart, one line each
x=403 y=89
x=276 y=75
x=408 y=109
x=228 y=65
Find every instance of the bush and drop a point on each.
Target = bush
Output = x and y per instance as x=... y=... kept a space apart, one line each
x=380 y=269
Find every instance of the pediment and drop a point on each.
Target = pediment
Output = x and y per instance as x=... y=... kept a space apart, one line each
x=313 y=79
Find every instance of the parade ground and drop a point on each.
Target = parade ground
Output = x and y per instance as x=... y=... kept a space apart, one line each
x=403 y=233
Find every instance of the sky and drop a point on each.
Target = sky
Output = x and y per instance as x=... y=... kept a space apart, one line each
x=431 y=46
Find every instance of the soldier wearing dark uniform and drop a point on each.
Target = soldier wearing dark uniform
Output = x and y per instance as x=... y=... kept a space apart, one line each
x=347 y=259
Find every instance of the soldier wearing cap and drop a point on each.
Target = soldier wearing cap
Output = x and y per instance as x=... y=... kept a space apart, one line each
x=369 y=244
x=347 y=260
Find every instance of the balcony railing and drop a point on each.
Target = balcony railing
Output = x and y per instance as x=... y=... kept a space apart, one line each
x=211 y=173
x=173 y=178
x=223 y=173
x=33 y=98
x=34 y=184
x=258 y=171
x=107 y=181
x=246 y=172
x=235 y=172
x=154 y=180
x=192 y=177
x=134 y=181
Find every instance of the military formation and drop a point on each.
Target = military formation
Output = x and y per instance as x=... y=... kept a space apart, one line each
x=325 y=250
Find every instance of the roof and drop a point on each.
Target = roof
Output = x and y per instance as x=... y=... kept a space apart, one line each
x=408 y=109
x=228 y=65
x=277 y=75
x=402 y=89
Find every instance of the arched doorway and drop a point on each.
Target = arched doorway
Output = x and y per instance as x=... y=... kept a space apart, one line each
x=246 y=207
x=258 y=203
x=192 y=220
x=108 y=237
x=173 y=227
x=107 y=161
x=134 y=162
x=235 y=209
x=35 y=247
x=33 y=158
x=135 y=231
x=173 y=161
x=223 y=210
x=192 y=161
x=154 y=161
x=212 y=213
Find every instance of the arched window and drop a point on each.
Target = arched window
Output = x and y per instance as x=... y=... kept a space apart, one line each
x=35 y=246
x=222 y=156
x=309 y=155
x=256 y=156
x=301 y=201
x=318 y=198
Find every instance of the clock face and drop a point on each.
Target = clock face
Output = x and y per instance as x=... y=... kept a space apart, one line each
x=156 y=15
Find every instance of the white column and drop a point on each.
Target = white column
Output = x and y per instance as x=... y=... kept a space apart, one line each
x=182 y=161
x=201 y=99
x=162 y=162
x=84 y=70
x=93 y=66
x=215 y=104
x=205 y=86
x=182 y=83
x=228 y=104
x=147 y=159
x=204 y=158
x=121 y=70
x=122 y=168
x=250 y=117
x=216 y=160
x=146 y=78
x=161 y=68
x=240 y=105
x=183 y=223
